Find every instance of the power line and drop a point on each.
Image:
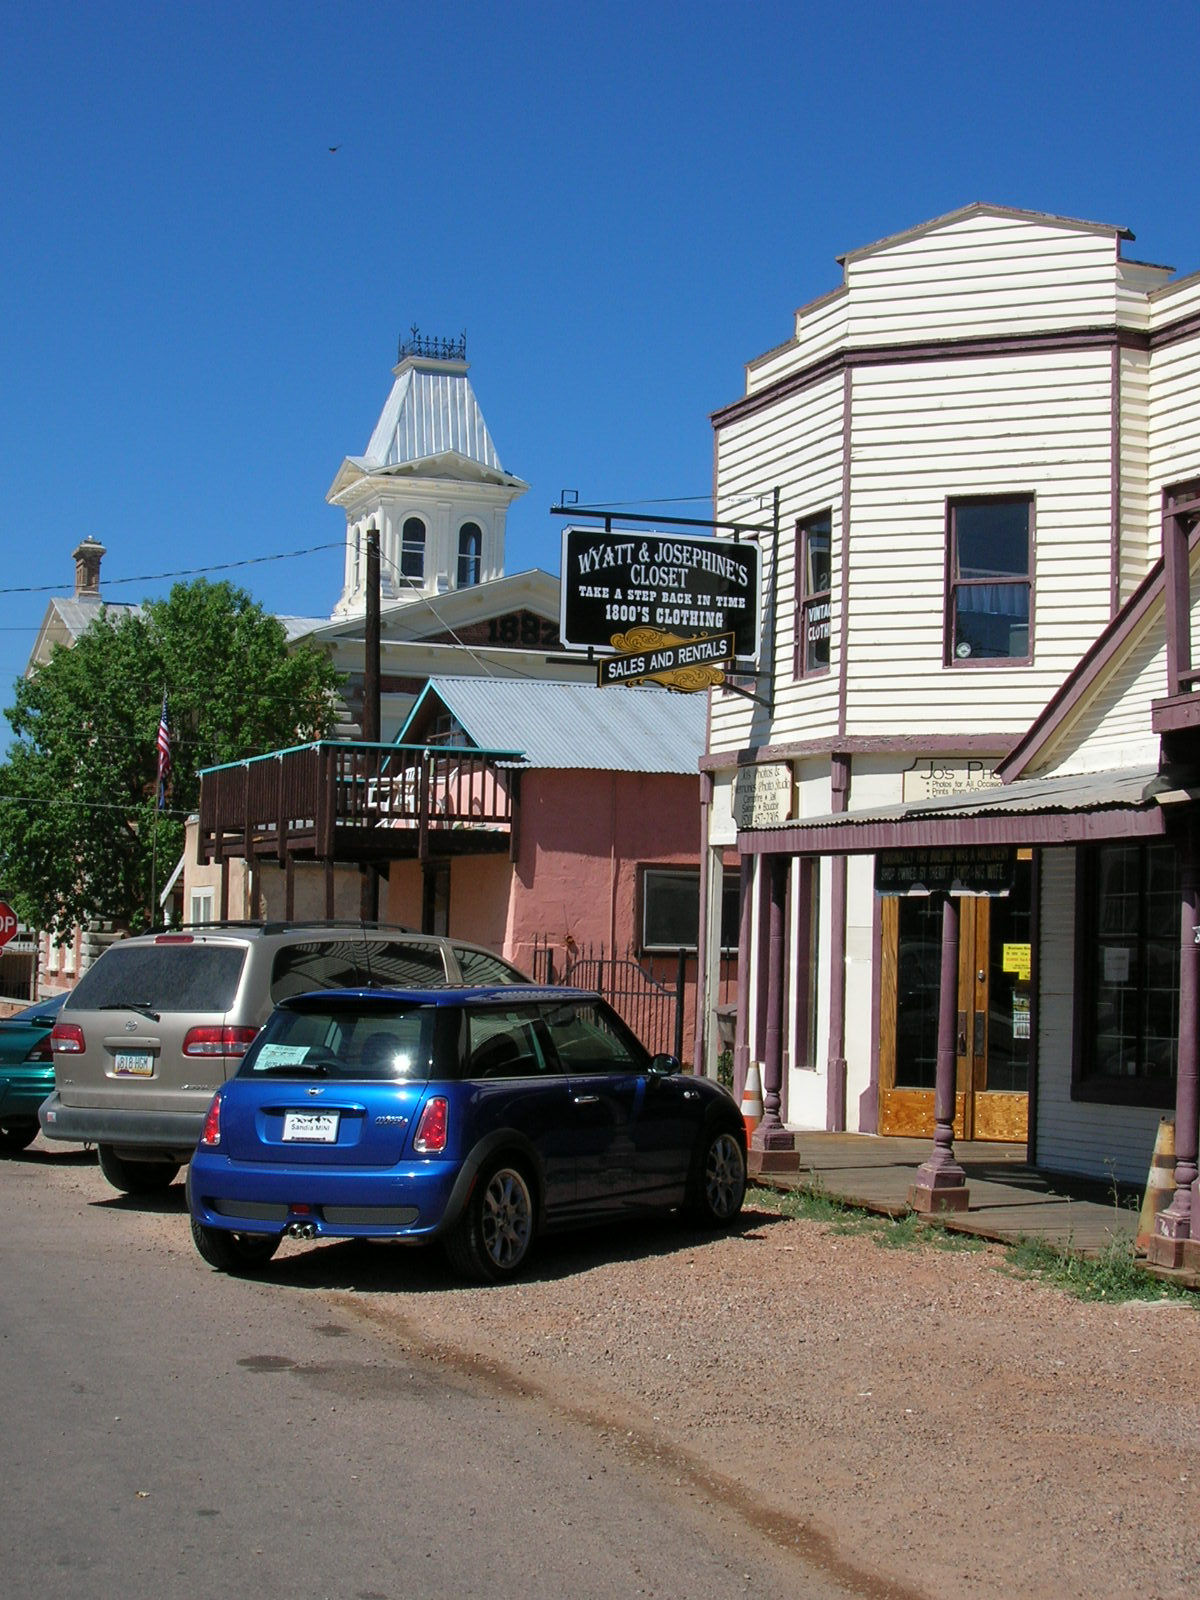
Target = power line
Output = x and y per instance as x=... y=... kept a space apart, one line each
x=186 y=572
x=89 y=805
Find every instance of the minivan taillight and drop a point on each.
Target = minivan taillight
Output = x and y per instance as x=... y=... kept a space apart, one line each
x=211 y=1133
x=218 y=1041
x=430 y=1137
x=67 y=1037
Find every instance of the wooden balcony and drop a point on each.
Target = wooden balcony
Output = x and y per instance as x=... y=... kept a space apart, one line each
x=355 y=802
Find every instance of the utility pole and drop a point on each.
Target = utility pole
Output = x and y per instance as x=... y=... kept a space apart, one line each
x=370 y=709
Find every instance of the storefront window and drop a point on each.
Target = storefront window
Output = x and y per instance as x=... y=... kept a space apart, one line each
x=1130 y=926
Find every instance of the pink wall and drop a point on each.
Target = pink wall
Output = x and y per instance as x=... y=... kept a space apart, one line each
x=583 y=836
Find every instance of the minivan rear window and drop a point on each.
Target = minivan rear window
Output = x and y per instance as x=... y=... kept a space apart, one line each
x=356 y=964
x=163 y=977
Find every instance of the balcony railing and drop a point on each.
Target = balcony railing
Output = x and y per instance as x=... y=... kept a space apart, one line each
x=334 y=801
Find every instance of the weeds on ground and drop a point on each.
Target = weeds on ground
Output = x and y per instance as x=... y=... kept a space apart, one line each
x=1112 y=1276
x=811 y=1203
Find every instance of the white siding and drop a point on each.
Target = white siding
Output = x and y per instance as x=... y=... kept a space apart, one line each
x=1174 y=419
x=925 y=432
x=983 y=274
x=797 y=447
x=1141 y=540
x=1075 y=1135
x=820 y=330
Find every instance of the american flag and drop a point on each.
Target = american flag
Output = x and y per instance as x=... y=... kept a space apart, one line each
x=163 y=745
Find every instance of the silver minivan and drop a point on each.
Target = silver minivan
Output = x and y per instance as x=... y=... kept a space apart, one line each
x=154 y=1028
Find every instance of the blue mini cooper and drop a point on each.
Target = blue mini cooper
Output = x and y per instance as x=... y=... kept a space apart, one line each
x=475 y=1117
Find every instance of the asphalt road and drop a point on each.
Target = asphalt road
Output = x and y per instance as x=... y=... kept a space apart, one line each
x=170 y=1431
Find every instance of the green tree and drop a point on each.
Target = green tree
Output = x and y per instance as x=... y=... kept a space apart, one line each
x=79 y=816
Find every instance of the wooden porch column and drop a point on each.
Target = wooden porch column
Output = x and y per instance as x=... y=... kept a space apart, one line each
x=835 y=1087
x=941 y=1183
x=770 y=1133
x=1177 y=1229
x=741 y=1037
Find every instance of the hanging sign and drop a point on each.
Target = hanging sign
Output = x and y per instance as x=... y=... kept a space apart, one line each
x=634 y=594
x=971 y=869
x=675 y=664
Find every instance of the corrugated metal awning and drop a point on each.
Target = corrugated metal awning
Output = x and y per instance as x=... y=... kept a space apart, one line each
x=1061 y=809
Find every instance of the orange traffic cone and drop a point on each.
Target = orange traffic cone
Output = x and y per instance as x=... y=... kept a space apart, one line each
x=1160 y=1185
x=752 y=1106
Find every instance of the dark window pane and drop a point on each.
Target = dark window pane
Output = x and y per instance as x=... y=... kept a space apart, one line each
x=670 y=910
x=991 y=619
x=992 y=539
x=1134 y=998
x=165 y=977
x=412 y=549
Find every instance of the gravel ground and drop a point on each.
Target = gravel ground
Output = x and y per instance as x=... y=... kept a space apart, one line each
x=919 y=1420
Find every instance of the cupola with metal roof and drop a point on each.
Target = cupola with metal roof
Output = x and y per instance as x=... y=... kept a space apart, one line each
x=430 y=480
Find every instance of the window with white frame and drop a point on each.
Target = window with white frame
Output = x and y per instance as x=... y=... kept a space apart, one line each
x=470 y=554
x=989 y=590
x=200 y=906
x=412 y=548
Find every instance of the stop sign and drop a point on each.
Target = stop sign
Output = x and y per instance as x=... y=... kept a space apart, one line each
x=8 y=923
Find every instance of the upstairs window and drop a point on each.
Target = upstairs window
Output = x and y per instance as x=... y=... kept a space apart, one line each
x=812 y=597
x=412 y=549
x=989 y=588
x=470 y=553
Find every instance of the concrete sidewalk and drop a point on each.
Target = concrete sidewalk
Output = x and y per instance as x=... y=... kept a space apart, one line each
x=1009 y=1200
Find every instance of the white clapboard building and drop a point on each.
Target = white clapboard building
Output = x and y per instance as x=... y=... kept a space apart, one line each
x=974 y=444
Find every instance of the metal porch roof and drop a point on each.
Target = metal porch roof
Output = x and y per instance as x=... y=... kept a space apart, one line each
x=577 y=725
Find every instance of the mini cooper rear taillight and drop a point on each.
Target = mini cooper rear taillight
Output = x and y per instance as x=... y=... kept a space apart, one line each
x=211 y=1133
x=218 y=1041
x=430 y=1137
x=67 y=1037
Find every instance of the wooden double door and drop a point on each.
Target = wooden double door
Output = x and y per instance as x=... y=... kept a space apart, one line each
x=992 y=1037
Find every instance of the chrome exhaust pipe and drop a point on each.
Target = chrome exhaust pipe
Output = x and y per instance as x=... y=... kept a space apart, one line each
x=301 y=1230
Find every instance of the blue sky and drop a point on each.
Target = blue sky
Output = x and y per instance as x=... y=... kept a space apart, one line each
x=619 y=203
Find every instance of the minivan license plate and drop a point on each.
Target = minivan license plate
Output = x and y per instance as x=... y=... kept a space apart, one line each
x=319 y=1127
x=133 y=1064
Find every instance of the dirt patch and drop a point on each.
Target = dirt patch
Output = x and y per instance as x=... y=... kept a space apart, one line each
x=917 y=1416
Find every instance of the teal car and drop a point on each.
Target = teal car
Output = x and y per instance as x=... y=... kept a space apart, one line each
x=26 y=1071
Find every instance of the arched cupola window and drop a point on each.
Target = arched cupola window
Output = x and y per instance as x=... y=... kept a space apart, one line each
x=470 y=554
x=412 y=548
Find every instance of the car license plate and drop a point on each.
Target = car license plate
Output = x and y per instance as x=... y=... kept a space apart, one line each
x=318 y=1127
x=133 y=1064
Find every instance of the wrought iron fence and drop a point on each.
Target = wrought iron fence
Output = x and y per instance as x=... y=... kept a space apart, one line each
x=652 y=1005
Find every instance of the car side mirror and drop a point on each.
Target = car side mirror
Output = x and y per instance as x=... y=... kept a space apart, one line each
x=664 y=1066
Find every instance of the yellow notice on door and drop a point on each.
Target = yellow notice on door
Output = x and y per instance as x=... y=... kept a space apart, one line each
x=1016 y=958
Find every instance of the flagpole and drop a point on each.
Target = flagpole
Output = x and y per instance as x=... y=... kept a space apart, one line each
x=153 y=863
x=162 y=745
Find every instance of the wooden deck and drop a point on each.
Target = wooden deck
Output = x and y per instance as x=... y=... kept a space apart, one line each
x=1009 y=1200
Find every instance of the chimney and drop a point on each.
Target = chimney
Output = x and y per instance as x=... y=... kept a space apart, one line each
x=87 y=569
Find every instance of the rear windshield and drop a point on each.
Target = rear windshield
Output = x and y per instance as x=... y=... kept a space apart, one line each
x=163 y=977
x=356 y=964
x=410 y=1043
